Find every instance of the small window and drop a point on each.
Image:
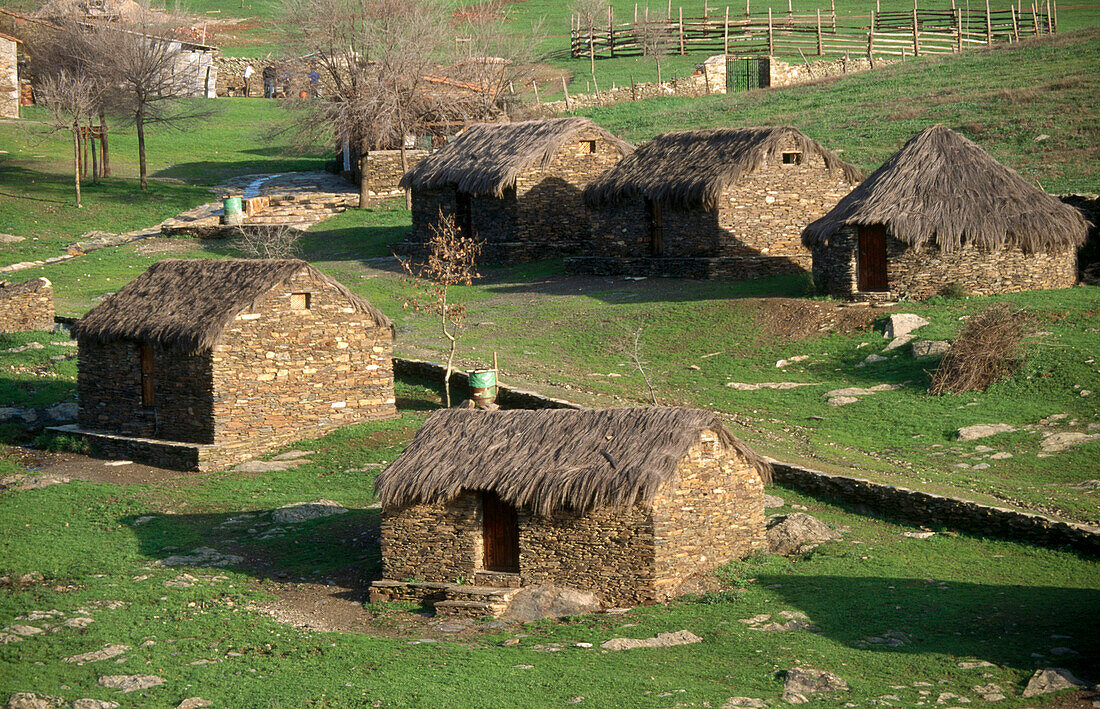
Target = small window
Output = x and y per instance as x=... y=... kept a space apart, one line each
x=792 y=157
x=299 y=301
x=590 y=146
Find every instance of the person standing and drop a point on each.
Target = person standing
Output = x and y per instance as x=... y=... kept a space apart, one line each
x=248 y=72
x=314 y=79
x=269 y=81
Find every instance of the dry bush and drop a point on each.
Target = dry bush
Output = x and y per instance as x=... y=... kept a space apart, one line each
x=267 y=241
x=988 y=350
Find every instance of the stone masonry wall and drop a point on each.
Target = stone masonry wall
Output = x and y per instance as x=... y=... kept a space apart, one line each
x=714 y=513
x=278 y=370
x=781 y=73
x=9 y=79
x=26 y=306
x=384 y=170
x=109 y=392
x=708 y=78
x=432 y=542
x=920 y=274
x=758 y=224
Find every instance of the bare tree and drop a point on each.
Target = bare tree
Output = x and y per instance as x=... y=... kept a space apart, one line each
x=267 y=241
x=655 y=37
x=148 y=81
x=590 y=14
x=452 y=261
x=71 y=99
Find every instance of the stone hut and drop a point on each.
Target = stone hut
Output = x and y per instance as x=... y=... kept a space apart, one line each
x=202 y=363
x=26 y=306
x=514 y=186
x=623 y=503
x=942 y=213
x=721 y=203
x=9 y=76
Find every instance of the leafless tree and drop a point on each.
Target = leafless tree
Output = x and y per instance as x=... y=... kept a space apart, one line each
x=591 y=14
x=490 y=58
x=452 y=261
x=267 y=241
x=71 y=99
x=654 y=35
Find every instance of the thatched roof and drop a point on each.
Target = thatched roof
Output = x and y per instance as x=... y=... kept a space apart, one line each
x=550 y=459
x=944 y=190
x=8 y=290
x=486 y=157
x=186 y=304
x=692 y=168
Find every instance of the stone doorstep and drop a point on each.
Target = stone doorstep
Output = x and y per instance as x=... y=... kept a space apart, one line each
x=468 y=609
x=447 y=599
x=499 y=579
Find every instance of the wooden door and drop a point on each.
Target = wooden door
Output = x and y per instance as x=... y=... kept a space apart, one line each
x=500 y=529
x=147 y=373
x=871 y=262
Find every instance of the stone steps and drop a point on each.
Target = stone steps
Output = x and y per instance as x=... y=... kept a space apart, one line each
x=468 y=609
x=497 y=579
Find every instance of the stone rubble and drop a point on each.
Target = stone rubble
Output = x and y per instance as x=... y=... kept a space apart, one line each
x=680 y=637
x=796 y=533
x=800 y=682
x=130 y=683
x=1049 y=680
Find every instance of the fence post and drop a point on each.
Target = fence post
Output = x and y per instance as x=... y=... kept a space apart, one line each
x=726 y=33
x=706 y=12
x=746 y=9
x=668 y=13
x=611 y=29
x=635 y=13
x=1035 y=19
x=572 y=35
x=916 y=33
x=1050 y=20
x=771 y=40
x=871 y=41
x=633 y=90
x=1055 y=15
x=535 y=86
x=566 y=90
x=1015 y=27
x=820 y=49
x=681 y=31
x=832 y=9
x=988 y=25
x=959 y=30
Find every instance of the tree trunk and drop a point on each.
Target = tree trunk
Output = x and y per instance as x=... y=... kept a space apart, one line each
x=103 y=143
x=405 y=169
x=658 y=69
x=76 y=163
x=450 y=357
x=141 y=149
x=95 y=162
x=364 y=183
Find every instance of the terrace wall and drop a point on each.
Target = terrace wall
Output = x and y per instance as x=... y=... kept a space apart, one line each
x=26 y=306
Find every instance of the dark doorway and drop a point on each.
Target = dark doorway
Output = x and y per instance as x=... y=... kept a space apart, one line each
x=744 y=74
x=147 y=372
x=464 y=217
x=501 y=532
x=871 y=263
x=655 y=226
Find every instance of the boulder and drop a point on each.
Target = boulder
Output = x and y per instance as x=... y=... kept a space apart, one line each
x=842 y=400
x=194 y=703
x=983 y=430
x=106 y=653
x=1055 y=442
x=800 y=682
x=930 y=348
x=290 y=514
x=680 y=637
x=1050 y=679
x=773 y=501
x=744 y=703
x=130 y=683
x=897 y=342
x=29 y=700
x=62 y=412
x=901 y=324
x=797 y=532
x=535 y=602
x=202 y=556
x=93 y=704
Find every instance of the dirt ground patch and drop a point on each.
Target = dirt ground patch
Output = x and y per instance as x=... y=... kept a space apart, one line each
x=794 y=319
x=161 y=245
x=73 y=466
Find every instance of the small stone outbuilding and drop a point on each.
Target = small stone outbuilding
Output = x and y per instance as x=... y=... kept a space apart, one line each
x=623 y=503
x=202 y=363
x=721 y=203
x=942 y=215
x=516 y=187
x=26 y=306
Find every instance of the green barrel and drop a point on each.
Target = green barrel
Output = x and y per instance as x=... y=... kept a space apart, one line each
x=483 y=386
x=234 y=211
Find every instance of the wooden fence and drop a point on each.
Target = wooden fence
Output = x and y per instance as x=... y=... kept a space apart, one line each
x=900 y=33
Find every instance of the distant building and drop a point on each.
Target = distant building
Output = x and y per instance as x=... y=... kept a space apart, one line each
x=624 y=503
x=514 y=186
x=720 y=203
x=9 y=76
x=201 y=363
x=940 y=213
x=26 y=306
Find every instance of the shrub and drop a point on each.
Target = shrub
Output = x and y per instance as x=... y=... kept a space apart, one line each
x=955 y=289
x=988 y=350
x=61 y=443
x=267 y=241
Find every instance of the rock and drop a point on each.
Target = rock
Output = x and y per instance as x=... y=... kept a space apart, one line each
x=535 y=602
x=194 y=703
x=77 y=622
x=773 y=501
x=744 y=703
x=983 y=430
x=144 y=519
x=792 y=360
x=292 y=455
x=62 y=412
x=1050 y=679
x=739 y=386
x=973 y=665
x=24 y=630
x=290 y=514
x=800 y=682
x=1055 y=442
x=796 y=533
x=202 y=556
x=93 y=704
x=130 y=683
x=897 y=342
x=930 y=348
x=680 y=637
x=871 y=359
x=106 y=653
x=990 y=692
x=8 y=638
x=1003 y=455
x=11 y=238
x=267 y=466
x=29 y=700
x=901 y=324
x=842 y=400
x=918 y=535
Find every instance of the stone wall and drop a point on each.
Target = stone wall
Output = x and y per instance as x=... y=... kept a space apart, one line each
x=708 y=78
x=9 y=79
x=278 y=370
x=781 y=73
x=756 y=230
x=384 y=171
x=26 y=306
x=432 y=542
x=923 y=273
x=543 y=217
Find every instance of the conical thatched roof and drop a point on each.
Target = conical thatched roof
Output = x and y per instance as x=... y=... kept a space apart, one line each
x=486 y=157
x=692 y=168
x=550 y=459
x=944 y=190
x=186 y=304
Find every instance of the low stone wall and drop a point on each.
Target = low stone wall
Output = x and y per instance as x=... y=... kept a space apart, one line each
x=917 y=507
x=781 y=73
x=735 y=268
x=508 y=397
x=384 y=171
x=26 y=306
x=709 y=78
